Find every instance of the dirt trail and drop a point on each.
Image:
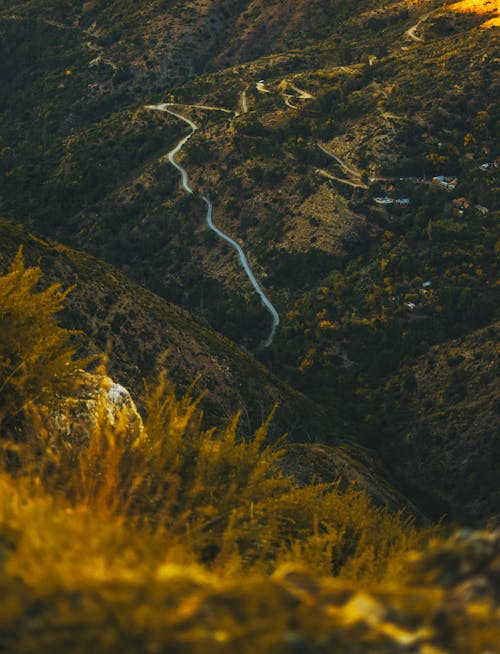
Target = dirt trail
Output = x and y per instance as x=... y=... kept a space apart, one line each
x=412 y=32
x=349 y=170
x=298 y=94
x=41 y=19
x=261 y=88
x=303 y=95
x=206 y=107
x=100 y=56
x=243 y=102
x=349 y=182
x=288 y=102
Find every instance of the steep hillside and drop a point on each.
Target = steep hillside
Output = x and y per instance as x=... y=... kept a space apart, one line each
x=122 y=534
x=164 y=42
x=356 y=162
x=192 y=170
x=137 y=329
x=442 y=427
x=393 y=91
x=119 y=534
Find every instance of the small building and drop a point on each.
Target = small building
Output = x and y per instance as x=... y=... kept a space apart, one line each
x=426 y=284
x=459 y=205
x=384 y=200
x=449 y=183
x=411 y=306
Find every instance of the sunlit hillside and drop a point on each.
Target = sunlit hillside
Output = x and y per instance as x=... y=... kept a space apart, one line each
x=479 y=7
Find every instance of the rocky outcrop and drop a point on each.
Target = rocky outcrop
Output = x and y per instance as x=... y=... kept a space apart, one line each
x=97 y=401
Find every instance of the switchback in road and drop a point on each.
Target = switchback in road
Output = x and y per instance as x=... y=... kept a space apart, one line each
x=209 y=220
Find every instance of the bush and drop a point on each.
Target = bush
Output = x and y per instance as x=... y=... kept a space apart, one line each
x=36 y=354
x=167 y=536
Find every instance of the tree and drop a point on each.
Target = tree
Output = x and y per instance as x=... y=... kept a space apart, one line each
x=36 y=354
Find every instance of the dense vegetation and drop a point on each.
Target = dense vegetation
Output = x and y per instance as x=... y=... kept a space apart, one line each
x=187 y=524
x=166 y=536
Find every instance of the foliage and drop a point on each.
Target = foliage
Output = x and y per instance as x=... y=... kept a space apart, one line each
x=36 y=354
x=222 y=497
x=169 y=537
x=80 y=163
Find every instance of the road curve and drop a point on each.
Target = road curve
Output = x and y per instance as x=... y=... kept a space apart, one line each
x=325 y=173
x=412 y=32
x=349 y=170
x=234 y=244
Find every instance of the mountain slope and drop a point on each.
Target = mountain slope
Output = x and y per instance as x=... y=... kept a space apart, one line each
x=88 y=151
x=138 y=328
x=442 y=418
x=346 y=114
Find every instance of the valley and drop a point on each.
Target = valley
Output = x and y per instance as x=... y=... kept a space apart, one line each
x=274 y=228
x=302 y=155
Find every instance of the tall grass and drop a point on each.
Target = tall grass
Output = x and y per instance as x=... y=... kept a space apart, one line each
x=165 y=536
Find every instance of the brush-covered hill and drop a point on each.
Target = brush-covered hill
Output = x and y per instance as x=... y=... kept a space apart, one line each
x=356 y=161
x=132 y=534
x=351 y=80
x=122 y=534
x=442 y=427
x=346 y=113
x=142 y=332
x=137 y=329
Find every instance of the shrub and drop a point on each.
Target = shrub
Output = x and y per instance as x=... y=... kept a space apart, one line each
x=168 y=534
x=36 y=354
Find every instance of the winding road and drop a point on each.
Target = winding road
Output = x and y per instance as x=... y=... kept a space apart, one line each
x=99 y=59
x=412 y=32
x=349 y=170
x=209 y=220
x=325 y=173
x=353 y=173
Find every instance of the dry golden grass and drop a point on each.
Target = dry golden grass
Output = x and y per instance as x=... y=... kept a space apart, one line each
x=174 y=538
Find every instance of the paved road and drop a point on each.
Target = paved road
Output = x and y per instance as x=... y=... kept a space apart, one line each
x=234 y=244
